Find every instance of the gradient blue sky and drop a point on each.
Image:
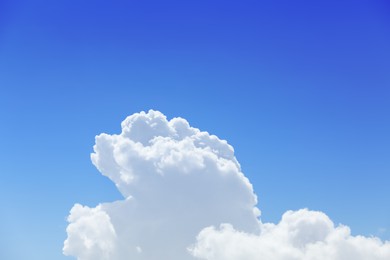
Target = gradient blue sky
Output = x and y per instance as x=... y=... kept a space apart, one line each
x=301 y=89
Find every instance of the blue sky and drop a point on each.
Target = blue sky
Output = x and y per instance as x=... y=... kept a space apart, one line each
x=301 y=90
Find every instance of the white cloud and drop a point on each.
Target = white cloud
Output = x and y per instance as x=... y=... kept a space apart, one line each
x=176 y=180
x=300 y=235
x=91 y=233
x=179 y=183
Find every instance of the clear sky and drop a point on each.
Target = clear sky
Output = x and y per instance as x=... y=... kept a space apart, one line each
x=300 y=89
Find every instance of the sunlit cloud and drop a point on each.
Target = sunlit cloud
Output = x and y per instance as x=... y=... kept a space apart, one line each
x=185 y=197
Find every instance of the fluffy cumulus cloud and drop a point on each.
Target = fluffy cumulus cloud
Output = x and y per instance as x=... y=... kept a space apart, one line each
x=300 y=235
x=185 y=197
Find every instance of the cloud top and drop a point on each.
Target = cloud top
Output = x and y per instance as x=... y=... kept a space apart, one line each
x=185 y=197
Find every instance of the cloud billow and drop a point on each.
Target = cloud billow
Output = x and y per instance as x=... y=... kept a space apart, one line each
x=185 y=197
